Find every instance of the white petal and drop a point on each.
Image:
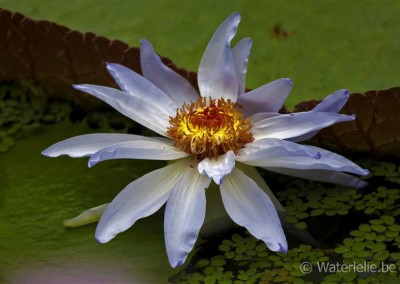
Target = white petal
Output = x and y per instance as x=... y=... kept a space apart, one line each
x=171 y=83
x=217 y=168
x=336 y=159
x=142 y=110
x=89 y=216
x=251 y=208
x=326 y=161
x=217 y=72
x=86 y=145
x=139 y=87
x=267 y=98
x=241 y=52
x=268 y=148
x=263 y=115
x=295 y=124
x=253 y=173
x=139 y=199
x=139 y=149
x=332 y=103
x=184 y=215
x=323 y=176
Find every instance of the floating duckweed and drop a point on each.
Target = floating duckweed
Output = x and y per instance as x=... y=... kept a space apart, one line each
x=363 y=254
x=394 y=228
x=348 y=242
x=341 y=211
x=390 y=234
x=370 y=236
x=202 y=263
x=252 y=262
x=302 y=215
x=358 y=246
x=349 y=254
x=369 y=210
x=261 y=247
x=378 y=228
x=218 y=260
x=342 y=249
x=241 y=249
x=291 y=219
x=357 y=233
x=301 y=225
x=333 y=278
x=210 y=280
x=330 y=212
x=22 y=109
x=317 y=212
x=230 y=255
x=382 y=255
x=280 y=279
x=348 y=276
x=237 y=238
x=224 y=248
x=376 y=222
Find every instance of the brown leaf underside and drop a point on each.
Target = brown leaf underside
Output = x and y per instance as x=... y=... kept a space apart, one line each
x=54 y=57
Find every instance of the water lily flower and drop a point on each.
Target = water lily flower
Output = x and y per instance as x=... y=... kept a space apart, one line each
x=211 y=135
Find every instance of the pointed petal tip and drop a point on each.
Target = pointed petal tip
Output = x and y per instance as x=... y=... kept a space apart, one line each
x=78 y=87
x=217 y=179
x=104 y=235
x=283 y=248
x=91 y=163
x=365 y=172
x=236 y=15
x=176 y=264
x=277 y=246
x=234 y=18
x=110 y=67
x=289 y=81
x=46 y=153
x=249 y=40
x=101 y=240
x=145 y=43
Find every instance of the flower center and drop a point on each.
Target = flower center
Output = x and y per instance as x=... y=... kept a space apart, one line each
x=209 y=128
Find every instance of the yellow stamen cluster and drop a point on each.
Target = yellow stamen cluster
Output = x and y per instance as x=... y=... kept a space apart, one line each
x=209 y=128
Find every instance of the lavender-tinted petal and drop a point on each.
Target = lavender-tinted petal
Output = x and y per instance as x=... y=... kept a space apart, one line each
x=139 y=149
x=150 y=114
x=250 y=207
x=332 y=103
x=286 y=126
x=139 y=199
x=267 y=98
x=184 y=215
x=171 y=83
x=268 y=148
x=88 y=144
x=323 y=176
x=241 y=52
x=217 y=168
x=217 y=73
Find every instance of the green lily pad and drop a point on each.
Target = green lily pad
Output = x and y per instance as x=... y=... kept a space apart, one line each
x=316 y=47
x=39 y=193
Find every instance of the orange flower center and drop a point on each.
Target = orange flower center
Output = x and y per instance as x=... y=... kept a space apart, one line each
x=209 y=128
